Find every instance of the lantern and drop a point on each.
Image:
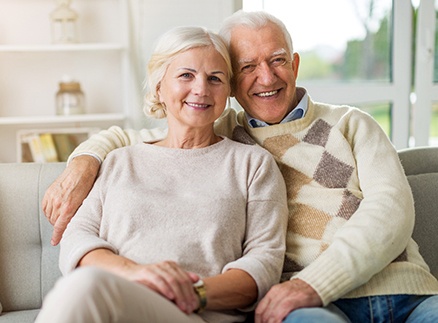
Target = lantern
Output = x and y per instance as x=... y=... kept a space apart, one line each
x=64 y=21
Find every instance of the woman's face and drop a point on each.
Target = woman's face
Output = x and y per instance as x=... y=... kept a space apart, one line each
x=195 y=88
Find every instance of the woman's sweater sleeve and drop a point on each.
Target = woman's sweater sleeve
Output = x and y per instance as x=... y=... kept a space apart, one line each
x=264 y=243
x=82 y=233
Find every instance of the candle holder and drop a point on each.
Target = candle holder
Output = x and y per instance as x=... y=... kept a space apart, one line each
x=64 y=23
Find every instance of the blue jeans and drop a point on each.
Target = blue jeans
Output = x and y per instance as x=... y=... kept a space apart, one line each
x=375 y=309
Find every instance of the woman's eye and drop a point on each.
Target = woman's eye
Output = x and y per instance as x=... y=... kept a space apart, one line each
x=215 y=79
x=186 y=75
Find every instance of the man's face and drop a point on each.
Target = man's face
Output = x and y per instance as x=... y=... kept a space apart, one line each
x=264 y=72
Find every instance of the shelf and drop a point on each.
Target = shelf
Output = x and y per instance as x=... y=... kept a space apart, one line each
x=50 y=145
x=53 y=120
x=61 y=48
x=31 y=66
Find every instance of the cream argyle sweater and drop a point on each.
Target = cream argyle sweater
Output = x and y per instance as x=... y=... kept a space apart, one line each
x=351 y=211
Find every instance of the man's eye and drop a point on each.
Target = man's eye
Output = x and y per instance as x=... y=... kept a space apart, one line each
x=279 y=61
x=248 y=68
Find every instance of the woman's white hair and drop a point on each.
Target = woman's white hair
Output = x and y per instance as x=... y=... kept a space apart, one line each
x=253 y=20
x=170 y=44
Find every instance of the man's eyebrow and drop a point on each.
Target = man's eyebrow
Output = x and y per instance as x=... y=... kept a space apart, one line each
x=244 y=61
x=279 y=52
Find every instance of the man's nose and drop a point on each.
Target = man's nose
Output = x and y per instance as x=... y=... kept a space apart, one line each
x=265 y=74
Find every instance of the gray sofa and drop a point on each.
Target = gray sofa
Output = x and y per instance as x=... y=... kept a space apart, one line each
x=29 y=264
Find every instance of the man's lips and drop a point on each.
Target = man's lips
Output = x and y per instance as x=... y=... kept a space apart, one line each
x=266 y=94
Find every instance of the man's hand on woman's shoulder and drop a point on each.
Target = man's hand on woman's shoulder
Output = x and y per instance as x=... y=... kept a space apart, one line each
x=67 y=192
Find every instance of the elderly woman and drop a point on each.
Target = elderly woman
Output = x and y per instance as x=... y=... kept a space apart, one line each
x=190 y=228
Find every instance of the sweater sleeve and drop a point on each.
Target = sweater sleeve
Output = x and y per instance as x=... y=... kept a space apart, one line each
x=100 y=144
x=379 y=231
x=264 y=243
x=82 y=233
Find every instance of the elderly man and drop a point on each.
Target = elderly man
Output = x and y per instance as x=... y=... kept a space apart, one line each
x=350 y=256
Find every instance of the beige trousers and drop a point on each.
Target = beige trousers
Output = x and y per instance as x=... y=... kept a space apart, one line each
x=91 y=295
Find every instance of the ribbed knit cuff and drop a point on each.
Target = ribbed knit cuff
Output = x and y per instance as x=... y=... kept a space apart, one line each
x=327 y=278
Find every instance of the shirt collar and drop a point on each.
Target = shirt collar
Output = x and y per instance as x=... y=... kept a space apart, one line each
x=297 y=113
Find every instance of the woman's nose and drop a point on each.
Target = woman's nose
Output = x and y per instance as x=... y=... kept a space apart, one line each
x=201 y=87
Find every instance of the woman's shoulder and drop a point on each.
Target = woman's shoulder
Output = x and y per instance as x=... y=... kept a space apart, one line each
x=250 y=149
x=123 y=153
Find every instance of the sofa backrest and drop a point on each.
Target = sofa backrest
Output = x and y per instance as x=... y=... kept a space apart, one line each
x=28 y=263
x=421 y=168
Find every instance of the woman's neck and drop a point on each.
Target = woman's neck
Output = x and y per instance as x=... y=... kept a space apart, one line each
x=189 y=139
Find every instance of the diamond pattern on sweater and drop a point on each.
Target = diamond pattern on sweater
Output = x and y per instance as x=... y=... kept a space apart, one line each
x=307 y=221
x=294 y=180
x=349 y=205
x=278 y=145
x=331 y=172
x=318 y=134
x=289 y=268
x=402 y=257
x=290 y=265
x=240 y=135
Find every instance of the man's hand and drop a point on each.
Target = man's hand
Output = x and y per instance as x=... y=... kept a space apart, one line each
x=283 y=299
x=67 y=192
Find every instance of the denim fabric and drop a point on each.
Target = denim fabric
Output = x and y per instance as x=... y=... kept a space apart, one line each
x=376 y=309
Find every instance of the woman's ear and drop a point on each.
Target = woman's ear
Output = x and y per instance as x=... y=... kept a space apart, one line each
x=158 y=91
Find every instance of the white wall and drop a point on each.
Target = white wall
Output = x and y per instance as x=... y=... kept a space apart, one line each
x=29 y=80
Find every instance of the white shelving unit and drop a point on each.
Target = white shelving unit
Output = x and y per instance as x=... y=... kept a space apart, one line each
x=31 y=68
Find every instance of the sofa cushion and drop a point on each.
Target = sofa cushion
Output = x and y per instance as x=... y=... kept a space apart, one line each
x=425 y=191
x=29 y=265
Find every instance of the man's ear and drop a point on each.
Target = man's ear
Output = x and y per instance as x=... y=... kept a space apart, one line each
x=296 y=63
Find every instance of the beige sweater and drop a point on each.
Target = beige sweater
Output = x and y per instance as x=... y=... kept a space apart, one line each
x=209 y=209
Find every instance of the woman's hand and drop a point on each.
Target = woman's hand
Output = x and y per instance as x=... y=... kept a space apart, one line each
x=170 y=280
x=166 y=278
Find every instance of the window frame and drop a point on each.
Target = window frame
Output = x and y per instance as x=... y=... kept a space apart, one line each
x=425 y=89
x=396 y=92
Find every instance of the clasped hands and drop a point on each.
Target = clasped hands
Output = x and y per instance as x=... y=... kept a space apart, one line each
x=170 y=280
